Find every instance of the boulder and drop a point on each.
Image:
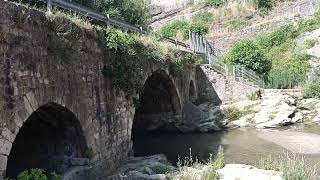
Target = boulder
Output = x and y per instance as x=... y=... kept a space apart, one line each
x=247 y=172
x=243 y=121
x=277 y=111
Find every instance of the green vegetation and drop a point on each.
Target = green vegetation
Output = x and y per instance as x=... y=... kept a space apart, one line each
x=310 y=43
x=249 y=54
x=312 y=90
x=253 y=96
x=273 y=55
x=215 y=3
x=204 y=16
x=130 y=53
x=209 y=169
x=133 y=11
x=236 y=24
x=37 y=174
x=161 y=169
x=171 y=29
x=232 y=113
x=180 y=29
x=292 y=165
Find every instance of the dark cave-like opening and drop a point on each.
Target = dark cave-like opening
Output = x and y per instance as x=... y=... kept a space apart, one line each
x=50 y=137
x=158 y=102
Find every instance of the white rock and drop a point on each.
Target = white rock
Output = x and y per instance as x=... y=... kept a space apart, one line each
x=247 y=172
x=243 y=121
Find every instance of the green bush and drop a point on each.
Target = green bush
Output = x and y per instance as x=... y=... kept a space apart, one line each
x=198 y=27
x=278 y=37
x=310 y=43
x=236 y=24
x=126 y=64
x=33 y=174
x=253 y=96
x=288 y=68
x=161 y=169
x=132 y=11
x=232 y=113
x=250 y=55
x=215 y=3
x=311 y=24
x=171 y=29
x=204 y=16
x=312 y=90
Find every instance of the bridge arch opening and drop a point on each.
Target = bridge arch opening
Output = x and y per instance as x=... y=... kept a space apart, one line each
x=158 y=102
x=49 y=139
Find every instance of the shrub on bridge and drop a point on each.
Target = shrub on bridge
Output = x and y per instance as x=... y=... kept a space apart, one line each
x=250 y=55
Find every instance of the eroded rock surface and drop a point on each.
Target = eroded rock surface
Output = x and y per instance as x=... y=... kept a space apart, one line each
x=247 y=172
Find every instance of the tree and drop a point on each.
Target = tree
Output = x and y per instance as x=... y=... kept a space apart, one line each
x=250 y=55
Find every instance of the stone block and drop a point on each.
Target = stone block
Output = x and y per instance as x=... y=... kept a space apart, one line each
x=3 y=163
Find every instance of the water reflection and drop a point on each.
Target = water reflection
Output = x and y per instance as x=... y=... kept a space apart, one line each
x=240 y=146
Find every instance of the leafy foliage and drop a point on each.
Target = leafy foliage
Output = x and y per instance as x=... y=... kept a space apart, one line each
x=250 y=55
x=232 y=113
x=204 y=16
x=171 y=29
x=311 y=24
x=312 y=90
x=215 y=3
x=129 y=54
x=133 y=11
x=288 y=68
x=278 y=37
x=33 y=174
x=198 y=27
x=126 y=66
x=310 y=43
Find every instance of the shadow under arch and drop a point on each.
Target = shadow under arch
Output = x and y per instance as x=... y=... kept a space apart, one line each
x=50 y=137
x=192 y=92
x=159 y=100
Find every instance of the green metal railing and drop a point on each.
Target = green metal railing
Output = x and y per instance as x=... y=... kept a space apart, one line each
x=200 y=45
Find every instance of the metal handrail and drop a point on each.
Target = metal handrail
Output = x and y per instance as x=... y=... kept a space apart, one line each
x=106 y=19
x=198 y=44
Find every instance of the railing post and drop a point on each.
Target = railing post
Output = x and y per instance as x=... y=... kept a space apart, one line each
x=108 y=18
x=141 y=31
x=49 y=6
x=176 y=42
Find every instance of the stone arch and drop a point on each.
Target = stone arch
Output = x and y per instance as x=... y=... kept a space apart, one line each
x=158 y=100
x=49 y=138
x=192 y=92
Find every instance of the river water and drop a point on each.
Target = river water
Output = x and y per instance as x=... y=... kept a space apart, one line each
x=240 y=145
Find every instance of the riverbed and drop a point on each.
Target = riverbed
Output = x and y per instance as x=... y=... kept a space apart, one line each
x=243 y=146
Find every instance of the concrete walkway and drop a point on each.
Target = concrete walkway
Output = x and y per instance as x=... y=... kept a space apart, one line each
x=297 y=142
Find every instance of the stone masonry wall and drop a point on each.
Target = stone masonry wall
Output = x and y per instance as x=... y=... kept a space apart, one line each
x=218 y=88
x=44 y=60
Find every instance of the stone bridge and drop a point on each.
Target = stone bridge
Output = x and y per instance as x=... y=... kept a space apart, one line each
x=56 y=106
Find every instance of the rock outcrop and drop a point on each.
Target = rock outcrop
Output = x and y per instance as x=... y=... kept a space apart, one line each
x=247 y=172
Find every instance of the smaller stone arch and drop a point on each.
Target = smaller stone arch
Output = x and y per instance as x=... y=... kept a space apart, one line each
x=49 y=139
x=192 y=92
x=159 y=100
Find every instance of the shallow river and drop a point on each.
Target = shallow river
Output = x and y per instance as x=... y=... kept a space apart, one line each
x=240 y=145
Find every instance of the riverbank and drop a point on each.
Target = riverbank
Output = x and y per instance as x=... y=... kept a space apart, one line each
x=247 y=153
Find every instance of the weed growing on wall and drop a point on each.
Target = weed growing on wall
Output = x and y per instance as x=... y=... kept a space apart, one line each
x=130 y=53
